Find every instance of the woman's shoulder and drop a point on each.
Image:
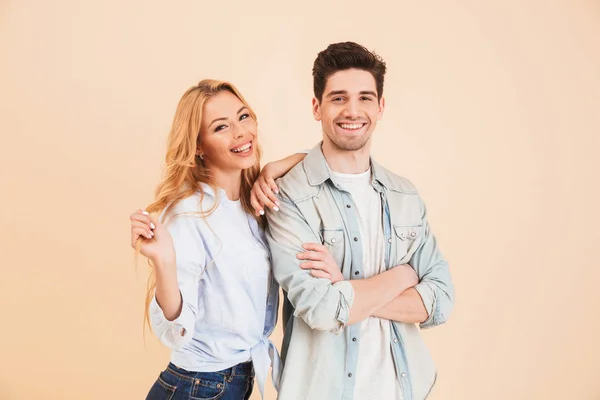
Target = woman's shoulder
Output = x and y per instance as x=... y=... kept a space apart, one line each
x=195 y=204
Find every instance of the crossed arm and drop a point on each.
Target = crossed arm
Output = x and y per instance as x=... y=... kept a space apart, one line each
x=330 y=304
x=406 y=307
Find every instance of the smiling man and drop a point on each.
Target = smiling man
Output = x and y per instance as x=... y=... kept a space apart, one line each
x=354 y=299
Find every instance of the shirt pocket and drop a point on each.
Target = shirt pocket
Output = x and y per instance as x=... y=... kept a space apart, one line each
x=333 y=239
x=406 y=241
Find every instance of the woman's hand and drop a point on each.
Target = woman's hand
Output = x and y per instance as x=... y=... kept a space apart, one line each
x=264 y=190
x=155 y=241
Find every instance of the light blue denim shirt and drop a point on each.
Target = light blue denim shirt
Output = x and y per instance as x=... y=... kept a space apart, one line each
x=230 y=298
x=319 y=350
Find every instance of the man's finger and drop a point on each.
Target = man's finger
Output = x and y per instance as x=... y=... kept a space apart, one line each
x=315 y=247
x=320 y=274
x=311 y=255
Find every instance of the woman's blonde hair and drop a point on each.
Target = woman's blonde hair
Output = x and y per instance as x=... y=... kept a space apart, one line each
x=185 y=171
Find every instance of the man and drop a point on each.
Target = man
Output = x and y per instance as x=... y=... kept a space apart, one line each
x=353 y=303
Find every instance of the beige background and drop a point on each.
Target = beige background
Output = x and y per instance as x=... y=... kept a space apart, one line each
x=492 y=110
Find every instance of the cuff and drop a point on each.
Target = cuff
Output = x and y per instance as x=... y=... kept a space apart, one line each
x=173 y=334
x=428 y=295
x=345 y=304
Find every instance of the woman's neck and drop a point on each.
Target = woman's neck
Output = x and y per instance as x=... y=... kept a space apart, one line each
x=229 y=181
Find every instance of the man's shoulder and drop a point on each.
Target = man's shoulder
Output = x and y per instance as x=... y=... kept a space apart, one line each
x=295 y=184
x=394 y=182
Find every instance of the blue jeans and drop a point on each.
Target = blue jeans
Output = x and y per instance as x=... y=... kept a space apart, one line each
x=174 y=383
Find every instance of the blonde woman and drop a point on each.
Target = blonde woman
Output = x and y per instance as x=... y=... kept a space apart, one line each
x=212 y=297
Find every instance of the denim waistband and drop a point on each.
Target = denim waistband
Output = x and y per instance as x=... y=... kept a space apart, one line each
x=244 y=368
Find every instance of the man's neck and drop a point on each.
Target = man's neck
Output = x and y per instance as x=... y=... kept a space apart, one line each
x=347 y=162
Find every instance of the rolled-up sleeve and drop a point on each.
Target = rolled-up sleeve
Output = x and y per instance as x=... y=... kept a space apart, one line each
x=435 y=284
x=190 y=258
x=322 y=305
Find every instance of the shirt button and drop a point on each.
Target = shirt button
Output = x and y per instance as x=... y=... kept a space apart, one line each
x=348 y=206
x=332 y=240
x=403 y=375
x=356 y=272
x=356 y=239
x=395 y=340
x=350 y=375
x=390 y=240
x=413 y=234
x=354 y=339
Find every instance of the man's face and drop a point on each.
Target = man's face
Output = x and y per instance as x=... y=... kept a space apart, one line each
x=349 y=109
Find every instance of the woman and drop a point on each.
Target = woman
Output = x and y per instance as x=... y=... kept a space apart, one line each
x=212 y=298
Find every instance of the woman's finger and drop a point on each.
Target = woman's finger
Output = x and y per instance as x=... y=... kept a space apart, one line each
x=142 y=225
x=265 y=200
x=272 y=185
x=268 y=191
x=139 y=216
x=143 y=231
x=140 y=231
x=258 y=208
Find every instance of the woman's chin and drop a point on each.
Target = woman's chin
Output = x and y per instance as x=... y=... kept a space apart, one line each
x=247 y=163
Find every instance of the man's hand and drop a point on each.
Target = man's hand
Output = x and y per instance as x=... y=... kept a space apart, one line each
x=320 y=262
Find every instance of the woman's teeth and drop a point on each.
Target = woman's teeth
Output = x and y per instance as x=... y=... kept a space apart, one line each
x=242 y=149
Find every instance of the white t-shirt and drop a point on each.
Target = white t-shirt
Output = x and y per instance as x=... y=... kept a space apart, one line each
x=375 y=371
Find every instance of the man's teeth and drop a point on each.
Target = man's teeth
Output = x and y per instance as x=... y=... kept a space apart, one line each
x=351 y=126
x=244 y=148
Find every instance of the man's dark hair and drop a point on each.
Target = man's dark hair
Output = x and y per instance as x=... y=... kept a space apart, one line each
x=342 y=56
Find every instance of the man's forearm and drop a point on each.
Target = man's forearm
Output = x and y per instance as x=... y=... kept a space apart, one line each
x=374 y=293
x=407 y=307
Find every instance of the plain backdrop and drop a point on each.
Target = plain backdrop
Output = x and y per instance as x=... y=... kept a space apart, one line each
x=492 y=111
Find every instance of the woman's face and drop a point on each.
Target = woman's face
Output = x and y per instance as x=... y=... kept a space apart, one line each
x=227 y=133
